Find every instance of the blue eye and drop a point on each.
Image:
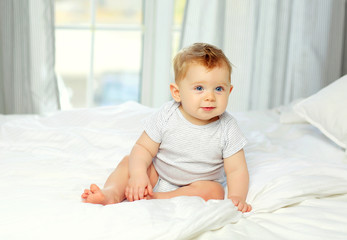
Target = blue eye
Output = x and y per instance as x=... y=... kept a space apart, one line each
x=199 y=88
x=219 y=89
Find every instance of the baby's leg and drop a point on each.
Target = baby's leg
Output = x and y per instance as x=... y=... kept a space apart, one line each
x=114 y=188
x=205 y=189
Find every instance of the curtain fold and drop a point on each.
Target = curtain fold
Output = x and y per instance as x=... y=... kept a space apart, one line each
x=281 y=50
x=27 y=78
x=157 y=49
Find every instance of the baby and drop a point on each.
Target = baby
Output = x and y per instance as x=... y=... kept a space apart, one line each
x=190 y=145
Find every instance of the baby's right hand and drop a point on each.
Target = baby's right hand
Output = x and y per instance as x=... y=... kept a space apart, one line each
x=138 y=187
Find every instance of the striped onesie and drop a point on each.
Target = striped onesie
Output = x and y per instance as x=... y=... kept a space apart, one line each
x=188 y=152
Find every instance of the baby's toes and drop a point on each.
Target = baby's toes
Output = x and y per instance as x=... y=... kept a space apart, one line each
x=85 y=194
x=94 y=188
x=87 y=191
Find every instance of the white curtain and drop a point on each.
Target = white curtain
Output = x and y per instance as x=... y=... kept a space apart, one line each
x=157 y=49
x=281 y=50
x=27 y=78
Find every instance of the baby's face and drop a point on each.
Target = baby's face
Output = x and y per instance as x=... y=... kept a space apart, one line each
x=204 y=93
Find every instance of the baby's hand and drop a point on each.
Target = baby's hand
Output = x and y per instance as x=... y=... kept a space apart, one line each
x=138 y=187
x=240 y=204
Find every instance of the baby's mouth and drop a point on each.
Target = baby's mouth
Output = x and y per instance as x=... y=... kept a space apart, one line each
x=208 y=108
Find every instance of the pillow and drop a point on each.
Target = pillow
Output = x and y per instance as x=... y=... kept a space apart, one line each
x=327 y=110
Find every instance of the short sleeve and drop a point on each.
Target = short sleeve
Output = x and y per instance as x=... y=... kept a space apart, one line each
x=154 y=124
x=234 y=140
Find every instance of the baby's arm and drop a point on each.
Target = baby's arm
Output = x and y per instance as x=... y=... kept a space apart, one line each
x=237 y=180
x=140 y=159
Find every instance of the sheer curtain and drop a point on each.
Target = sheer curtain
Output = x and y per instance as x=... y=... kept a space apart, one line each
x=281 y=50
x=157 y=48
x=27 y=78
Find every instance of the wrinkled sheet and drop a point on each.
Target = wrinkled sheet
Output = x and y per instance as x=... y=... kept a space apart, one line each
x=298 y=181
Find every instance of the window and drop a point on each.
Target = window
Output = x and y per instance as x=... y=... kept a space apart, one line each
x=99 y=49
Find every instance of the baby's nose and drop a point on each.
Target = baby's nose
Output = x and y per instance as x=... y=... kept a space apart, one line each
x=210 y=96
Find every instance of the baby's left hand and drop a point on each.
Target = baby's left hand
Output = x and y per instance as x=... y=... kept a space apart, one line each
x=240 y=204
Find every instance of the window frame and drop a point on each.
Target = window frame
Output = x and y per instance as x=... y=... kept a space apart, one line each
x=156 y=16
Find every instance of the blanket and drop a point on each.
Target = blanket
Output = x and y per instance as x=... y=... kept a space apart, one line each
x=47 y=161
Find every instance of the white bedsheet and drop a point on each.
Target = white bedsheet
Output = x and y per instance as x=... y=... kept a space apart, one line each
x=298 y=182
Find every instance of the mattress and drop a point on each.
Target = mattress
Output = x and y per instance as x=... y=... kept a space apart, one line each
x=298 y=181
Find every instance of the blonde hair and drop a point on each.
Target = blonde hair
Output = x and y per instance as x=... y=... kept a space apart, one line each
x=202 y=53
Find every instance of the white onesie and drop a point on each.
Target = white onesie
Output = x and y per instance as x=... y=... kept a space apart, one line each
x=188 y=152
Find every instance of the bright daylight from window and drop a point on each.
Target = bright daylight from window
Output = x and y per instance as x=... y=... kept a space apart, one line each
x=99 y=49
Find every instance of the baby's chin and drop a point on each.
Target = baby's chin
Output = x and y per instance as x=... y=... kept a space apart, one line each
x=209 y=114
x=209 y=119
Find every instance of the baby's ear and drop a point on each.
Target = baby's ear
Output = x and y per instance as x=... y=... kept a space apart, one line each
x=231 y=88
x=175 y=92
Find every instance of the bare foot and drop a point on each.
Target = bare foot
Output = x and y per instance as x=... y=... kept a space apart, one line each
x=97 y=196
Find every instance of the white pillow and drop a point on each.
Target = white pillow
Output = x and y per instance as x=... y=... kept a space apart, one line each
x=327 y=110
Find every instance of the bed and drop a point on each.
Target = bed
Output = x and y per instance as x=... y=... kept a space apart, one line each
x=298 y=176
